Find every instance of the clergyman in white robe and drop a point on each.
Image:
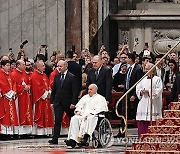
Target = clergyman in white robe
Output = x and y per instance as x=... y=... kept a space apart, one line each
x=86 y=122
x=144 y=106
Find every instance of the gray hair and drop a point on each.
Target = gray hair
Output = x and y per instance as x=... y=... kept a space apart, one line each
x=98 y=56
x=63 y=61
x=93 y=84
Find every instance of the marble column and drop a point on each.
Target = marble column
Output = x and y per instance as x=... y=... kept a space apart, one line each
x=106 y=24
x=4 y=25
x=100 y=22
x=85 y=24
x=61 y=26
x=93 y=26
x=113 y=29
x=73 y=24
x=38 y=21
x=148 y=37
x=26 y=25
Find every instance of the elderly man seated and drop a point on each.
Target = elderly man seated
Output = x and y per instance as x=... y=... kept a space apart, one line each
x=84 y=122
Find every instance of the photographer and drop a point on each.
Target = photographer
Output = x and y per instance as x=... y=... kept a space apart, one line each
x=43 y=57
x=21 y=54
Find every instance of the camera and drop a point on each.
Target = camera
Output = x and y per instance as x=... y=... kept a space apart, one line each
x=86 y=52
x=23 y=43
x=136 y=39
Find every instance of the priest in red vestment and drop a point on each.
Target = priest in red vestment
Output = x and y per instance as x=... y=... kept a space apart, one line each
x=65 y=119
x=43 y=117
x=23 y=98
x=8 y=113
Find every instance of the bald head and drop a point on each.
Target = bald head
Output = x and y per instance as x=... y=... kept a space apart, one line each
x=4 y=57
x=148 y=66
x=20 y=64
x=92 y=89
x=62 y=66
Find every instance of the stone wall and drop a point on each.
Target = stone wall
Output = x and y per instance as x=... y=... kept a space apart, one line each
x=57 y=23
x=38 y=21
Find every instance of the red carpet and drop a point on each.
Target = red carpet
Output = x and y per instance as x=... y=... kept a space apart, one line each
x=163 y=137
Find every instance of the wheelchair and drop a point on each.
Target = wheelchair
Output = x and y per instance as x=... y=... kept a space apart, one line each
x=102 y=135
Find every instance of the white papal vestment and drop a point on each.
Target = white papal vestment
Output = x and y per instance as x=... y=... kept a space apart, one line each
x=143 y=109
x=88 y=106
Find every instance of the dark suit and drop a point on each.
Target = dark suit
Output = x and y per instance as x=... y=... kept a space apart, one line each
x=175 y=91
x=104 y=81
x=62 y=98
x=167 y=78
x=135 y=75
x=75 y=69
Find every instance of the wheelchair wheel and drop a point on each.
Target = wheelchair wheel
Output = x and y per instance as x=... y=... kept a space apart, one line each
x=105 y=132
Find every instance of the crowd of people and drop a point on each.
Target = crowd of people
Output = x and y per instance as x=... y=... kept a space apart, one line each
x=37 y=95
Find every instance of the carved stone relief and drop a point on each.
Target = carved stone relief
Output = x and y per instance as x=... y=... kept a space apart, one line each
x=174 y=1
x=165 y=39
x=125 y=37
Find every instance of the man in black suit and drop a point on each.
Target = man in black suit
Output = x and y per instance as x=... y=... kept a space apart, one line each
x=75 y=69
x=134 y=73
x=175 y=91
x=64 y=97
x=102 y=77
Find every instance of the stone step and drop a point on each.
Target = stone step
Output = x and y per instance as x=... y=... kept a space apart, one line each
x=156 y=146
x=164 y=130
x=175 y=106
x=168 y=122
x=159 y=138
x=150 y=152
x=171 y=113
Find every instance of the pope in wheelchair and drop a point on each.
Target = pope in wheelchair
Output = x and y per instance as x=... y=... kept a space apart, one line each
x=83 y=123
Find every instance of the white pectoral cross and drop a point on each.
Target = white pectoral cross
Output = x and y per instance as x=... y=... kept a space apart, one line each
x=24 y=83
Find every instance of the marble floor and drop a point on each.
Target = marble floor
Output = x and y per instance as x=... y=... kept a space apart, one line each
x=41 y=146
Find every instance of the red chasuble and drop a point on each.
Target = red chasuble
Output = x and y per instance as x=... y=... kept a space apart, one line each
x=43 y=116
x=65 y=119
x=8 y=113
x=51 y=77
x=24 y=102
x=2 y=111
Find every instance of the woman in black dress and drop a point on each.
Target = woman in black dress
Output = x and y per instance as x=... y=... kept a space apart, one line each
x=119 y=78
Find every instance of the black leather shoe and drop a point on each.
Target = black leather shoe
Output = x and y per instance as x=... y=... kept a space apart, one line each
x=71 y=143
x=84 y=140
x=53 y=142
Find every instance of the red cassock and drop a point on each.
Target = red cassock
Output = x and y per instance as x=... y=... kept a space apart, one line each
x=29 y=78
x=65 y=119
x=24 y=102
x=43 y=116
x=2 y=111
x=51 y=77
x=8 y=113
